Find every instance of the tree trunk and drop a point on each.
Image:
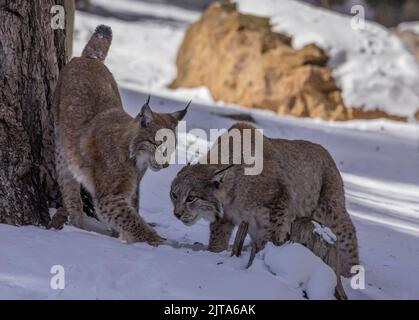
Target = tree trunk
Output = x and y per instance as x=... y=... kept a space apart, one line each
x=31 y=55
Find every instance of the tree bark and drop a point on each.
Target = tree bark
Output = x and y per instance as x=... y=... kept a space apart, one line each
x=31 y=55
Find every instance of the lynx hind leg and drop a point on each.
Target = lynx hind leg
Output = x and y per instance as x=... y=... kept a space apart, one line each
x=335 y=216
x=220 y=233
x=70 y=190
x=118 y=212
x=73 y=204
x=347 y=242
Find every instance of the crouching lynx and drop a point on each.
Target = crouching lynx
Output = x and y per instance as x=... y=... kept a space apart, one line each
x=101 y=147
x=299 y=179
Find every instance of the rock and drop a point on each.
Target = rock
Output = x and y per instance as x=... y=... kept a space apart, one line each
x=242 y=61
x=411 y=41
x=359 y=113
x=417 y=115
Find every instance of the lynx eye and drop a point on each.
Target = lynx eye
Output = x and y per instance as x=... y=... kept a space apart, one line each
x=174 y=196
x=190 y=198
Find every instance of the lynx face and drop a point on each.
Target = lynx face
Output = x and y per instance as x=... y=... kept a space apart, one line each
x=145 y=148
x=194 y=194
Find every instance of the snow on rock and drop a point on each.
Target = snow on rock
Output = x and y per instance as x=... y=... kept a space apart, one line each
x=301 y=270
x=409 y=26
x=372 y=66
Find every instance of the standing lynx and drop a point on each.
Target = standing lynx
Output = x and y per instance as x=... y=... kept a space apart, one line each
x=299 y=179
x=101 y=147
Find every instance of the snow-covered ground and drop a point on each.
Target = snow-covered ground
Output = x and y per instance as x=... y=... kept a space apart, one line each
x=379 y=161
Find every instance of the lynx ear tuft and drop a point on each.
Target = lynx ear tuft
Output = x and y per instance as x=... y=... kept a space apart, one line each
x=179 y=115
x=146 y=114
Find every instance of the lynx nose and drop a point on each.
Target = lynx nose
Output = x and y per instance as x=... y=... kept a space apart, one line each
x=178 y=213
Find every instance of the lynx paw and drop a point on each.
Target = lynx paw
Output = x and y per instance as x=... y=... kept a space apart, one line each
x=150 y=236
x=154 y=239
x=58 y=220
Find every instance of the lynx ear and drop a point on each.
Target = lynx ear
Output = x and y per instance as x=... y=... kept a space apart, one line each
x=218 y=177
x=179 y=115
x=146 y=114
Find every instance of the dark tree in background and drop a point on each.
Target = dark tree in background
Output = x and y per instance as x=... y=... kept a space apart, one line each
x=31 y=55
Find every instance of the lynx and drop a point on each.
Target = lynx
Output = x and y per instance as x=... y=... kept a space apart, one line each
x=101 y=147
x=299 y=179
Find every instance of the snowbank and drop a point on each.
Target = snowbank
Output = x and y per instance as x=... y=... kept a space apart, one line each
x=301 y=269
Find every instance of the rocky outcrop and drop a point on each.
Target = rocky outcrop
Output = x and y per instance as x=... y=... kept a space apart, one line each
x=410 y=40
x=241 y=60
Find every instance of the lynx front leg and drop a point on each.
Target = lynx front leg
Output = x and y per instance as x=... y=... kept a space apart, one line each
x=220 y=233
x=120 y=214
x=281 y=227
x=261 y=231
x=136 y=197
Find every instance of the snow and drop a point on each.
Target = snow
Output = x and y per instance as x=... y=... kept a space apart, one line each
x=97 y=267
x=371 y=65
x=301 y=269
x=378 y=160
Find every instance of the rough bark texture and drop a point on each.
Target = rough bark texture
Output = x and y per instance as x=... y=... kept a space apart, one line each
x=302 y=231
x=31 y=55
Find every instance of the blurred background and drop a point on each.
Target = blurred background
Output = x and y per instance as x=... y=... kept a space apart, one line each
x=311 y=58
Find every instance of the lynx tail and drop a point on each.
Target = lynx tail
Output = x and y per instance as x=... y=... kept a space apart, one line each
x=99 y=43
